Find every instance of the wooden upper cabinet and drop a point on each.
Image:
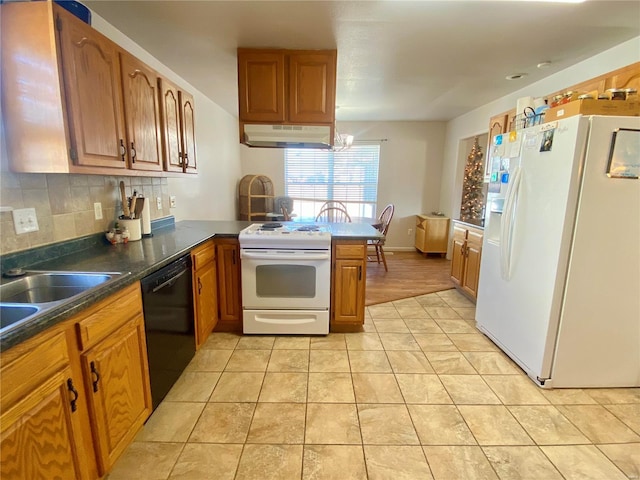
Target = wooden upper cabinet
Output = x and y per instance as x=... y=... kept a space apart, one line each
x=142 y=115
x=171 y=129
x=177 y=128
x=312 y=87
x=75 y=102
x=497 y=125
x=91 y=74
x=628 y=77
x=187 y=118
x=261 y=87
x=287 y=86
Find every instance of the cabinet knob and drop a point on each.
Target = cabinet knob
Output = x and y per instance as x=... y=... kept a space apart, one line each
x=123 y=150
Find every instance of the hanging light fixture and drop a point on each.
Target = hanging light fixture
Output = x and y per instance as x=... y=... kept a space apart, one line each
x=341 y=141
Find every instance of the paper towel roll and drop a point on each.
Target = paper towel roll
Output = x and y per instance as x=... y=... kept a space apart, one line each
x=146 y=217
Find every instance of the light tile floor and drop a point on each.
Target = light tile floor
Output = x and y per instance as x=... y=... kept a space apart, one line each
x=421 y=394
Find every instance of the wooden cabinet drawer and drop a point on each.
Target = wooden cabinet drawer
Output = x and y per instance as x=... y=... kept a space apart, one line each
x=107 y=316
x=29 y=364
x=348 y=250
x=203 y=254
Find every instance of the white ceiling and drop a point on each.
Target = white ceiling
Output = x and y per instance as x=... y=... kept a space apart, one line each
x=397 y=60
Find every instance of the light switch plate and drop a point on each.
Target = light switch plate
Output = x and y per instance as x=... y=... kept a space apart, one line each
x=172 y=201
x=159 y=203
x=97 y=210
x=25 y=220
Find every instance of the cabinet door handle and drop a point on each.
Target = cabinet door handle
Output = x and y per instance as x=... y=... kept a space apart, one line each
x=73 y=390
x=462 y=250
x=123 y=150
x=359 y=272
x=186 y=160
x=96 y=376
x=133 y=153
x=199 y=286
x=180 y=161
x=234 y=256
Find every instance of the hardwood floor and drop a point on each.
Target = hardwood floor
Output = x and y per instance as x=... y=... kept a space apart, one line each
x=410 y=274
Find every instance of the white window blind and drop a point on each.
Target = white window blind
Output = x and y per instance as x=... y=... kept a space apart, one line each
x=350 y=176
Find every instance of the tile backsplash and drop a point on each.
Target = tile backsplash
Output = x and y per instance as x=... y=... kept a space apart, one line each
x=64 y=205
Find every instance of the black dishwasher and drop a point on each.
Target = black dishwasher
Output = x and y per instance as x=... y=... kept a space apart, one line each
x=168 y=318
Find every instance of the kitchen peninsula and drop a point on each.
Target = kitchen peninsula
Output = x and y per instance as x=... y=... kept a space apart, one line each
x=139 y=258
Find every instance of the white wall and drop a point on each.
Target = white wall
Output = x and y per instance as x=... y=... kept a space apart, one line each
x=210 y=195
x=477 y=121
x=409 y=175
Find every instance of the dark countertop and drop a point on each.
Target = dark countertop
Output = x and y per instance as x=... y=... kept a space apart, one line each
x=139 y=259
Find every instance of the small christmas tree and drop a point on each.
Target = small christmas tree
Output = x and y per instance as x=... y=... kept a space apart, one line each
x=472 y=196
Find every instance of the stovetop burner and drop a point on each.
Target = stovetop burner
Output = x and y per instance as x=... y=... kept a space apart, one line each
x=270 y=226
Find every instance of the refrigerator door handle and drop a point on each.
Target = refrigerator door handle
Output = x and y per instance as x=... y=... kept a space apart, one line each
x=507 y=224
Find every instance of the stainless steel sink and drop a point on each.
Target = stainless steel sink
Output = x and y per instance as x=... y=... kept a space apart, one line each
x=25 y=297
x=11 y=314
x=50 y=286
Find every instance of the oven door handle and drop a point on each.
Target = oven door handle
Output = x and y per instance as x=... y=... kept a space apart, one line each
x=284 y=256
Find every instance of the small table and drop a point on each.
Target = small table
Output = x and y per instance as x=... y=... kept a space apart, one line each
x=432 y=234
x=374 y=222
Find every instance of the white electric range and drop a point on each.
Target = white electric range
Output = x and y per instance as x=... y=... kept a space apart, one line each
x=286 y=278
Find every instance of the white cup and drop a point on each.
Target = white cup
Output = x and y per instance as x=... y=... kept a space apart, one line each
x=133 y=225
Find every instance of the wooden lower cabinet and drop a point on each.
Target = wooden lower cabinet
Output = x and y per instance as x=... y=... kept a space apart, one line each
x=44 y=412
x=116 y=375
x=205 y=293
x=349 y=276
x=466 y=254
x=229 y=287
x=74 y=397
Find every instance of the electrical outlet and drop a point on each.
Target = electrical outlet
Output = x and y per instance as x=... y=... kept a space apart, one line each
x=25 y=220
x=409 y=231
x=172 y=201
x=97 y=210
x=159 y=203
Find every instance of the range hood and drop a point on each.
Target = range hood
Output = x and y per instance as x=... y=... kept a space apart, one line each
x=287 y=136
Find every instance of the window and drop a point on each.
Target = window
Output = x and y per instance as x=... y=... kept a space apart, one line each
x=312 y=177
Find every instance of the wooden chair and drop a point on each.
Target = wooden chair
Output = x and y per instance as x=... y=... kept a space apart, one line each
x=333 y=203
x=333 y=215
x=385 y=219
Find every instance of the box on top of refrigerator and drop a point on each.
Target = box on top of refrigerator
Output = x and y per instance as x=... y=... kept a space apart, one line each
x=591 y=106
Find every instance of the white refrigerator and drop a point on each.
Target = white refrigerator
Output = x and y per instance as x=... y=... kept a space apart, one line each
x=559 y=288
